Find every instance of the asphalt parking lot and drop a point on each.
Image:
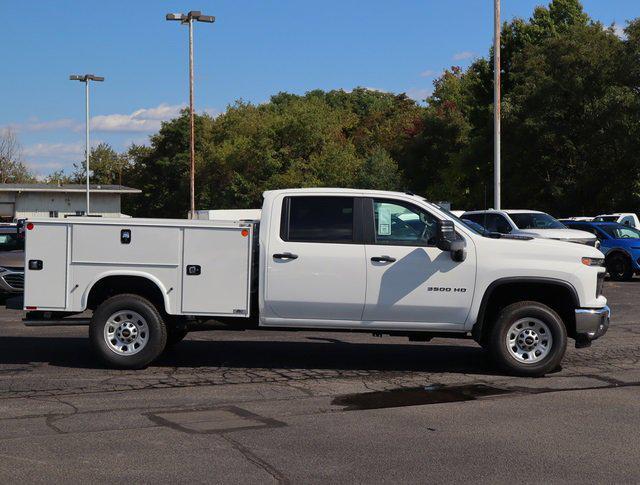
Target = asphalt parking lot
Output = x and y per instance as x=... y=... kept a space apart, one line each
x=256 y=407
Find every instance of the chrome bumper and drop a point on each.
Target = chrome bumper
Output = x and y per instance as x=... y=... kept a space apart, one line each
x=591 y=323
x=11 y=281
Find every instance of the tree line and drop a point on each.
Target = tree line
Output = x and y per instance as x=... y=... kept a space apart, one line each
x=570 y=133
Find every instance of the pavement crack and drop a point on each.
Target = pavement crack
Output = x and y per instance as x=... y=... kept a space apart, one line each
x=257 y=461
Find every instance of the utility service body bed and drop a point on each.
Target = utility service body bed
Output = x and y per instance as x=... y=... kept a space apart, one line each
x=201 y=267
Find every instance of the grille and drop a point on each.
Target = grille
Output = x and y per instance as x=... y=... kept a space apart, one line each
x=600 y=284
x=15 y=280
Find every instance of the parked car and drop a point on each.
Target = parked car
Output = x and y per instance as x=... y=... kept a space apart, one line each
x=620 y=245
x=327 y=259
x=626 y=218
x=578 y=218
x=528 y=223
x=12 y=271
x=11 y=259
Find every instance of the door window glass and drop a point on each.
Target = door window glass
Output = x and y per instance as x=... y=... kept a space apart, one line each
x=403 y=224
x=320 y=219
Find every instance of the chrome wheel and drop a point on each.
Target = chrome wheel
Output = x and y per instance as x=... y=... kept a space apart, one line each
x=529 y=340
x=126 y=332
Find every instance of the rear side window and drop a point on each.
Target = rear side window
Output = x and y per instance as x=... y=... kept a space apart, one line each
x=318 y=219
x=491 y=222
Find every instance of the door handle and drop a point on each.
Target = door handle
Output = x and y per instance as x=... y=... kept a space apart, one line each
x=383 y=259
x=285 y=256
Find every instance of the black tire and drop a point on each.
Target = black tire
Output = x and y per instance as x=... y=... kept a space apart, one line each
x=619 y=267
x=155 y=331
x=518 y=314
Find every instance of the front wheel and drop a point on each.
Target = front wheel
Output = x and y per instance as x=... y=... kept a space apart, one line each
x=619 y=267
x=127 y=332
x=528 y=339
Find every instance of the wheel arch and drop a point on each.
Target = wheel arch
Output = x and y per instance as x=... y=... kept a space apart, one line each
x=116 y=282
x=618 y=250
x=504 y=291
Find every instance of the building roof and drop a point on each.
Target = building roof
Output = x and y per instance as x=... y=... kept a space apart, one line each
x=105 y=189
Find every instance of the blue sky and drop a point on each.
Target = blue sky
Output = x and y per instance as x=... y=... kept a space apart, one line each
x=256 y=48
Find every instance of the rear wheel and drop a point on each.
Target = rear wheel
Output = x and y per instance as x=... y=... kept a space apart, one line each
x=127 y=332
x=528 y=339
x=619 y=267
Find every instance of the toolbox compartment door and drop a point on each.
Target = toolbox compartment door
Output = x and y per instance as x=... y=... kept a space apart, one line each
x=215 y=271
x=45 y=285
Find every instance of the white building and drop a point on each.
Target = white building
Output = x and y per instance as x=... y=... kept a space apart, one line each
x=19 y=201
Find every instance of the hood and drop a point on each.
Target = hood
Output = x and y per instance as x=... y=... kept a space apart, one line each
x=12 y=259
x=561 y=234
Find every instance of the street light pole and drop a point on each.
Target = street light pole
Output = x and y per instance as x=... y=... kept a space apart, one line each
x=192 y=128
x=87 y=145
x=188 y=19
x=496 y=105
x=85 y=79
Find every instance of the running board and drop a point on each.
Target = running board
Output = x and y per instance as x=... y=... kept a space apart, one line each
x=66 y=322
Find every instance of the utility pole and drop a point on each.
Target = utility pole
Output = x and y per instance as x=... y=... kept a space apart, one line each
x=85 y=79
x=496 y=105
x=188 y=19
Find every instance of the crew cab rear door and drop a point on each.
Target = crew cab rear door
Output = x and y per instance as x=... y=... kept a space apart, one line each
x=315 y=263
x=410 y=280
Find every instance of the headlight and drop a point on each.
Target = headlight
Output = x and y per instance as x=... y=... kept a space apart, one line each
x=3 y=270
x=593 y=261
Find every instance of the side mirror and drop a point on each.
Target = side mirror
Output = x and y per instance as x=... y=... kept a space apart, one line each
x=447 y=241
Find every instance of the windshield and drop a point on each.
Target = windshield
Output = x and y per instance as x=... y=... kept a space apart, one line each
x=10 y=242
x=621 y=232
x=606 y=219
x=536 y=220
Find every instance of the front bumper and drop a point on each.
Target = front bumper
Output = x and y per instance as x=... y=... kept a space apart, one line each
x=11 y=282
x=591 y=323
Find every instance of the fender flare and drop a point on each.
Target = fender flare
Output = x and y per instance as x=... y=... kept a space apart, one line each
x=477 y=328
x=139 y=274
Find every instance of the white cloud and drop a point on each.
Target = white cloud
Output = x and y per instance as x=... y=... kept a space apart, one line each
x=54 y=150
x=145 y=120
x=419 y=94
x=428 y=73
x=142 y=120
x=47 y=157
x=460 y=56
x=619 y=30
x=35 y=124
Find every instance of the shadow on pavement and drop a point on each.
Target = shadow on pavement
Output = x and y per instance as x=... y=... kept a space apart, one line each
x=75 y=352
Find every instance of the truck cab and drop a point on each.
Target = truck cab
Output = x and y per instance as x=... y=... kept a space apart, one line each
x=324 y=259
x=625 y=218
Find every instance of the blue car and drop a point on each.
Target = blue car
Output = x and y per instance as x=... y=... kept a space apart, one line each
x=620 y=244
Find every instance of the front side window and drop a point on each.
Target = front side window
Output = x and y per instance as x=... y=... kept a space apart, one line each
x=622 y=232
x=491 y=222
x=501 y=224
x=401 y=224
x=536 y=220
x=319 y=219
x=627 y=221
x=606 y=219
x=11 y=242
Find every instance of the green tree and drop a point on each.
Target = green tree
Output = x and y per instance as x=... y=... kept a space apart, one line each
x=107 y=166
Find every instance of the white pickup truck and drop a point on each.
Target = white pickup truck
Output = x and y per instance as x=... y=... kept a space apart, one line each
x=322 y=259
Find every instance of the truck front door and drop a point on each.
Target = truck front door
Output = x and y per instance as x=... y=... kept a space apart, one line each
x=410 y=280
x=315 y=264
